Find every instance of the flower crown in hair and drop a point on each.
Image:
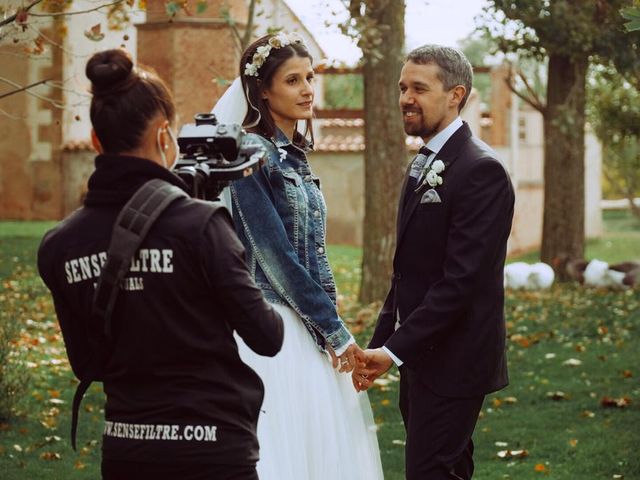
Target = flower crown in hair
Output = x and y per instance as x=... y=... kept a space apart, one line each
x=280 y=40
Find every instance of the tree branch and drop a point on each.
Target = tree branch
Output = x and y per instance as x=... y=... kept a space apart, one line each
x=21 y=89
x=528 y=99
x=77 y=12
x=13 y=17
x=248 y=31
x=531 y=91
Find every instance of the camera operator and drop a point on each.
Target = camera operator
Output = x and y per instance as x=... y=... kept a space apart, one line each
x=180 y=404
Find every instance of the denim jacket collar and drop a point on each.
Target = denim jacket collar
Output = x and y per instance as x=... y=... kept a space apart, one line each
x=280 y=140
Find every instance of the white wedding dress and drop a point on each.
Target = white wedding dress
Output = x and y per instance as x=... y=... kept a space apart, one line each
x=313 y=425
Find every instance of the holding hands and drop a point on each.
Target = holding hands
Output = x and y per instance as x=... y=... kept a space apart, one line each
x=377 y=361
x=352 y=358
x=365 y=365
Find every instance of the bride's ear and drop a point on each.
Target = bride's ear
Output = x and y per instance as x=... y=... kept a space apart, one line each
x=263 y=93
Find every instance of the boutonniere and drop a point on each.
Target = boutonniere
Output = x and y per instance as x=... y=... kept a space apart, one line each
x=431 y=174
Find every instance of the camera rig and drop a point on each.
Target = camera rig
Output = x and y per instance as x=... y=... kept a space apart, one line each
x=214 y=154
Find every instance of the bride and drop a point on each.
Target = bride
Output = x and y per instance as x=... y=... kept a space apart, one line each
x=313 y=425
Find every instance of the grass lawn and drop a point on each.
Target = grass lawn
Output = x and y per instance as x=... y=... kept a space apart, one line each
x=569 y=348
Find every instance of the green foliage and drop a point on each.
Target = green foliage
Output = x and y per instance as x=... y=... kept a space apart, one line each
x=343 y=91
x=633 y=15
x=580 y=31
x=576 y=30
x=614 y=113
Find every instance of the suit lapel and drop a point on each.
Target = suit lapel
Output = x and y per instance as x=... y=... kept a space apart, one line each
x=401 y=201
x=448 y=155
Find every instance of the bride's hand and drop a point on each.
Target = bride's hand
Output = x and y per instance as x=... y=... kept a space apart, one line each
x=353 y=357
x=332 y=354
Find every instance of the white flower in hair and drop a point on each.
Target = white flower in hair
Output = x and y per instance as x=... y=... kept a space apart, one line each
x=280 y=40
x=263 y=51
x=251 y=70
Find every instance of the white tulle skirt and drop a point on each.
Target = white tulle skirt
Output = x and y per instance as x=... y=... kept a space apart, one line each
x=313 y=424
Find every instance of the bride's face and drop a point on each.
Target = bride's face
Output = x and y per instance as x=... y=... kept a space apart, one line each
x=290 y=95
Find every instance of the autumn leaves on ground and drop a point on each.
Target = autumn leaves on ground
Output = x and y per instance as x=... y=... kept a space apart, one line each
x=572 y=410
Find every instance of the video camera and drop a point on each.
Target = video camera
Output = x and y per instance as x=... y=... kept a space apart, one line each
x=213 y=154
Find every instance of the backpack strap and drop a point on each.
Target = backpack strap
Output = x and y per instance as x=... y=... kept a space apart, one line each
x=131 y=227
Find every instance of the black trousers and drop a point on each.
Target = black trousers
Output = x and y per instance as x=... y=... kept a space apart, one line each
x=439 y=429
x=119 y=470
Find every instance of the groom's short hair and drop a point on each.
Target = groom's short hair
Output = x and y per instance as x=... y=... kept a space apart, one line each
x=455 y=69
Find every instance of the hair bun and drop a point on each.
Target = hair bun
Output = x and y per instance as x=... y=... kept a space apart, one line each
x=110 y=71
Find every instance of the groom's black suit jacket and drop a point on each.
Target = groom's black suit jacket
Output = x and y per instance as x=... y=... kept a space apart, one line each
x=447 y=285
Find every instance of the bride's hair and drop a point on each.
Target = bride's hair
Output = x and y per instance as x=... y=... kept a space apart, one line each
x=258 y=115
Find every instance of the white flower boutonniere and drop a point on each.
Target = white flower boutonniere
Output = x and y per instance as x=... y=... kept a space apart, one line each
x=431 y=174
x=283 y=154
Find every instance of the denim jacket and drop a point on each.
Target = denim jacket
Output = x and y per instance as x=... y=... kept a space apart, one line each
x=280 y=216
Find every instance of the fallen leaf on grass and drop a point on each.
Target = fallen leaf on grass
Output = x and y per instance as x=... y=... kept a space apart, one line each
x=50 y=456
x=572 y=362
x=54 y=393
x=588 y=414
x=398 y=442
x=557 y=396
x=540 y=467
x=627 y=374
x=79 y=465
x=609 y=402
x=573 y=442
x=509 y=454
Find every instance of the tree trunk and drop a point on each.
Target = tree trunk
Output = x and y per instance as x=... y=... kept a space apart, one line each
x=563 y=221
x=385 y=148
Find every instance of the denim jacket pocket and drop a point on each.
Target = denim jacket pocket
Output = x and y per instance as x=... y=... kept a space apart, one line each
x=292 y=176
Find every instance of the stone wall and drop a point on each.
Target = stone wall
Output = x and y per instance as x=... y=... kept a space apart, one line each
x=191 y=53
x=31 y=132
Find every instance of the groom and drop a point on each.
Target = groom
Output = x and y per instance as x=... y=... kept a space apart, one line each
x=442 y=322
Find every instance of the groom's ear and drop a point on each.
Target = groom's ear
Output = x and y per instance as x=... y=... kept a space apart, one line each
x=457 y=94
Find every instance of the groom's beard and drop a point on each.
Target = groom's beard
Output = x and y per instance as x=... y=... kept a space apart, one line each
x=422 y=130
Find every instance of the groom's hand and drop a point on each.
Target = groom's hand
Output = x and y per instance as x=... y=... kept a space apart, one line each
x=352 y=358
x=377 y=362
